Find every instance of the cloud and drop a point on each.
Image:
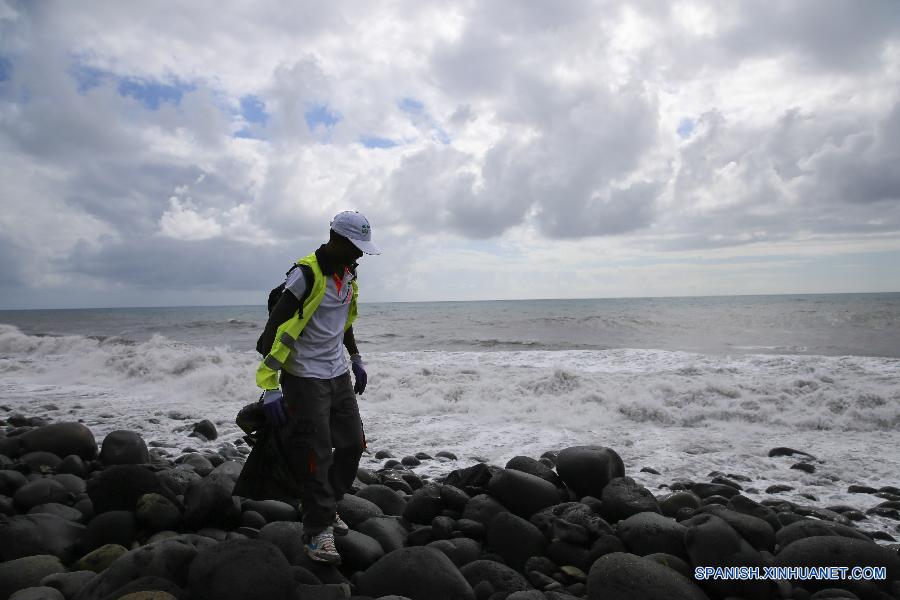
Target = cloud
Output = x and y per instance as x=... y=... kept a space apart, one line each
x=129 y=135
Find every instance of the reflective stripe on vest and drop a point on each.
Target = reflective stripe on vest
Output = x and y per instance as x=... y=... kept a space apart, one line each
x=289 y=331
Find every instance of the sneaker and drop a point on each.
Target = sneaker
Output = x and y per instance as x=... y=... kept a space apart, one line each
x=321 y=547
x=338 y=526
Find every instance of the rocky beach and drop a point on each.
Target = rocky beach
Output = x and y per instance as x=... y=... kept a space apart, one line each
x=122 y=518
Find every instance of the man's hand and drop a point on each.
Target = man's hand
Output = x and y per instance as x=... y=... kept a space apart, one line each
x=274 y=408
x=359 y=373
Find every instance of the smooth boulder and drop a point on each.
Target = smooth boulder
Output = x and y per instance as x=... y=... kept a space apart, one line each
x=623 y=497
x=515 y=539
x=651 y=533
x=622 y=576
x=587 y=469
x=240 y=569
x=522 y=493
x=837 y=551
x=124 y=448
x=711 y=542
x=40 y=533
x=418 y=573
x=61 y=439
x=27 y=571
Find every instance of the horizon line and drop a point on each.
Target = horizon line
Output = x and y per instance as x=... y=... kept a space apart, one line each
x=261 y=305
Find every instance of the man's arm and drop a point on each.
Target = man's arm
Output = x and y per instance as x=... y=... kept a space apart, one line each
x=283 y=310
x=350 y=341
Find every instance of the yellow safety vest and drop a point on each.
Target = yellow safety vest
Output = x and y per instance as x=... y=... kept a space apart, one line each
x=289 y=331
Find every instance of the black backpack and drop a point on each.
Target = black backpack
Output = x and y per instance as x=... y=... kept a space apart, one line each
x=275 y=294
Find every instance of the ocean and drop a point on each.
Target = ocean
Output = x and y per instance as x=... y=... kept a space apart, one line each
x=686 y=386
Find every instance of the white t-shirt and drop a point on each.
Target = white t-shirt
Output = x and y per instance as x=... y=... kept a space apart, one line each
x=319 y=351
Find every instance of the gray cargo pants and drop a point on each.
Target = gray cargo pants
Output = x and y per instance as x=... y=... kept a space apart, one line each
x=323 y=414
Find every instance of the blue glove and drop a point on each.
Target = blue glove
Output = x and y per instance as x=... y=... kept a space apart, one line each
x=359 y=373
x=274 y=407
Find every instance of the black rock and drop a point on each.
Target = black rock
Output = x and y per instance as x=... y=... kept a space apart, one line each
x=354 y=509
x=447 y=455
x=177 y=481
x=829 y=551
x=40 y=461
x=73 y=465
x=206 y=429
x=833 y=594
x=522 y=493
x=564 y=553
x=573 y=513
x=587 y=469
x=60 y=510
x=528 y=465
x=471 y=529
x=40 y=491
x=271 y=510
x=157 y=513
x=472 y=480
x=240 y=569
x=287 y=537
x=251 y=518
x=112 y=527
x=783 y=451
x=461 y=551
x=381 y=454
x=670 y=505
x=209 y=502
x=119 y=487
x=805 y=528
x=453 y=497
x=358 y=551
x=420 y=536
x=572 y=533
x=515 y=539
x=26 y=535
x=200 y=463
x=10 y=481
x=483 y=508
x=169 y=559
x=27 y=572
x=424 y=505
x=774 y=489
x=651 y=533
x=123 y=448
x=746 y=506
x=388 y=531
x=69 y=584
x=623 y=497
x=805 y=467
x=711 y=542
x=410 y=461
x=418 y=573
x=500 y=577
x=650 y=470
x=621 y=576
x=61 y=439
x=706 y=490
x=755 y=531
x=442 y=527
x=389 y=501
x=673 y=562
x=149 y=583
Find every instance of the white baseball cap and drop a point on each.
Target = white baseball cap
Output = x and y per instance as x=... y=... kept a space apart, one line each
x=355 y=227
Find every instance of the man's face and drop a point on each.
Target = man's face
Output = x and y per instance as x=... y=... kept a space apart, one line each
x=348 y=253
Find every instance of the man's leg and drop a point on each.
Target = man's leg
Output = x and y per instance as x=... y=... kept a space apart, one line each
x=308 y=447
x=346 y=435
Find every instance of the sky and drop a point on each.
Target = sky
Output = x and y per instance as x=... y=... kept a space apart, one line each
x=172 y=153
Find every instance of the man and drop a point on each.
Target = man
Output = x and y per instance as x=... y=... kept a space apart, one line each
x=316 y=408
